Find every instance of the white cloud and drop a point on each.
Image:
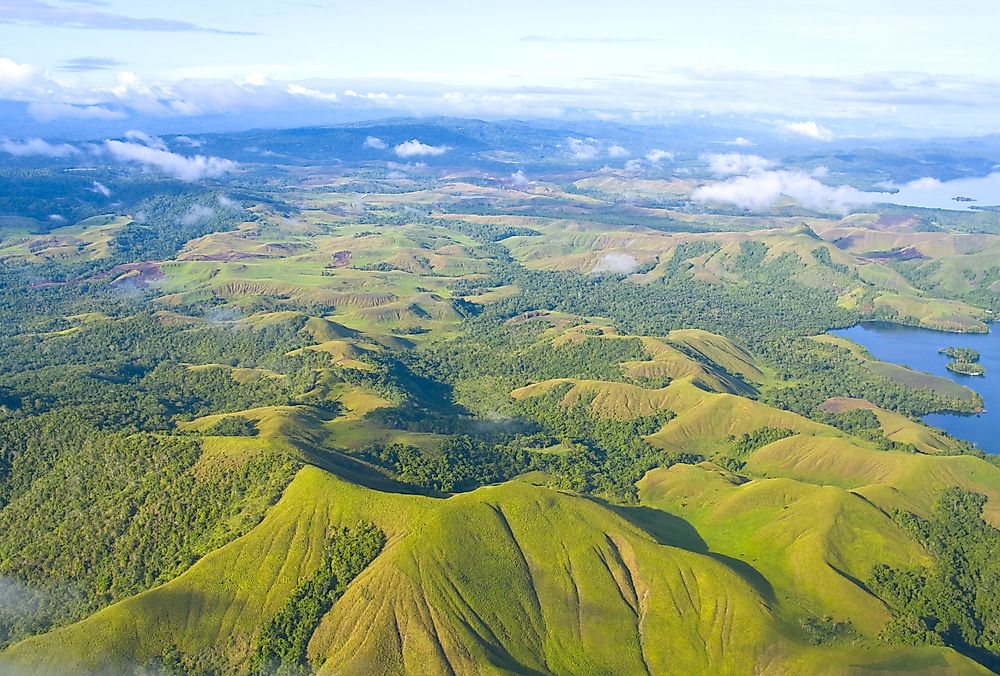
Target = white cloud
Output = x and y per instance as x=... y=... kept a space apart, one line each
x=582 y=149
x=376 y=143
x=731 y=164
x=38 y=147
x=146 y=139
x=228 y=204
x=519 y=180
x=741 y=142
x=810 y=130
x=371 y=96
x=16 y=76
x=762 y=189
x=618 y=151
x=618 y=263
x=415 y=148
x=197 y=214
x=101 y=189
x=925 y=183
x=179 y=166
x=315 y=94
x=657 y=155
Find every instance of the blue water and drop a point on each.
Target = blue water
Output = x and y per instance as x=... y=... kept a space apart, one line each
x=933 y=194
x=918 y=349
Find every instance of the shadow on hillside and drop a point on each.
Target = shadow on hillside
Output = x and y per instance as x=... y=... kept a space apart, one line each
x=361 y=473
x=671 y=530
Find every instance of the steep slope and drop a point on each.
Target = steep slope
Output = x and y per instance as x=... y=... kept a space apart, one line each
x=889 y=479
x=813 y=544
x=897 y=427
x=703 y=419
x=508 y=578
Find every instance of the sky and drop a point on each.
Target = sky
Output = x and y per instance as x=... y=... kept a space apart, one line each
x=848 y=67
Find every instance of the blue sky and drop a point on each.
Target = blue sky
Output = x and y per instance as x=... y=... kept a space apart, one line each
x=872 y=67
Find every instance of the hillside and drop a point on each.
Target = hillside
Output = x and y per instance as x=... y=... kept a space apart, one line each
x=430 y=601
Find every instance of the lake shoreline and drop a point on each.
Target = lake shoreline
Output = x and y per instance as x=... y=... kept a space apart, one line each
x=919 y=349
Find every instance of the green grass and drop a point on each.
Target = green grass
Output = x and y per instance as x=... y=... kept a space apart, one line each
x=509 y=578
x=811 y=544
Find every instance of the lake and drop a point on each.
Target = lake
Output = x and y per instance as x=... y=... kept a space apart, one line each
x=983 y=191
x=918 y=349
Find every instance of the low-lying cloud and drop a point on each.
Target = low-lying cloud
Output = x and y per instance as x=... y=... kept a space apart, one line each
x=809 y=129
x=49 y=112
x=376 y=143
x=763 y=189
x=228 y=204
x=37 y=147
x=189 y=169
x=415 y=148
x=519 y=180
x=658 y=155
x=617 y=263
x=583 y=149
x=100 y=189
x=731 y=164
x=197 y=214
x=315 y=94
x=142 y=137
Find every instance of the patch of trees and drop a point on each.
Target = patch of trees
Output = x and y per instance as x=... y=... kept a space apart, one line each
x=519 y=354
x=608 y=454
x=744 y=444
x=964 y=360
x=460 y=463
x=282 y=642
x=956 y=601
x=864 y=424
x=233 y=426
x=816 y=372
x=90 y=517
x=769 y=305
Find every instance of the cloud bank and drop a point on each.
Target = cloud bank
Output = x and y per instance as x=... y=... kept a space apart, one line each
x=185 y=168
x=37 y=147
x=519 y=180
x=730 y=164
x=583 y=149
x=100 y=189
x=763 y=189
x=616 y=263
x=658 y=155
x=809 y=129
x=415 y=148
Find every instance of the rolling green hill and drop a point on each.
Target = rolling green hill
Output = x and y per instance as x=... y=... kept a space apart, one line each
x=513 y=578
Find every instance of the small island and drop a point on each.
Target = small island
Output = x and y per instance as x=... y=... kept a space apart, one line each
x=964 y=361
